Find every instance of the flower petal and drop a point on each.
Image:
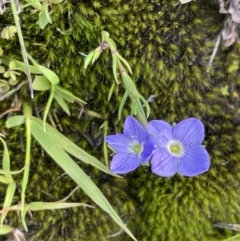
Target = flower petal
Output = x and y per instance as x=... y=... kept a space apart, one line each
x=194 y=162
x=123 y=163
x=134 y=130
x=161 y=132
x=148 y=148
x=163 y=164
x=119 y=142
x=189 y=131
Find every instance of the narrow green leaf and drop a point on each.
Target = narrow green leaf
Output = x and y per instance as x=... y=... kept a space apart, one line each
x=124 y=98
x=114 y=66
x=96 y=55
x=104 y=126
x=62 y=103
x=11 y=186
x=112 y=44
x=27 y=110
x=146 y=105
x=48 y=105
x=124 y=61
x=73 y=149
x=41 y=83
x=111 y=91
x=67 y=95
x=88 y=59
x=16 y=120
x=6 y=161
x=74 y=171
x=38 y=206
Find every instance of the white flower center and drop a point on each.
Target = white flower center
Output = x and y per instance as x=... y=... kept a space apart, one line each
x=135 y=148
x=175 y=148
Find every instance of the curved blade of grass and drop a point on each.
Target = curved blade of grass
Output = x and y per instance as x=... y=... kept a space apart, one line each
x=54 y=150
x=28 y=114
x=8 y=199
x=6 y=161
x=73 y=149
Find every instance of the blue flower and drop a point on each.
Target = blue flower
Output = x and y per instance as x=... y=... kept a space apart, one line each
x=179 y=148
x=133 y=147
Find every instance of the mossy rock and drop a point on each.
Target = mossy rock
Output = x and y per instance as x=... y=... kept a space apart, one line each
x=168 y=48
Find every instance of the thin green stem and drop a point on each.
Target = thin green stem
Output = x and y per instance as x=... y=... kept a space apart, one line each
x=28 y=114
x=139 y=111
x=104 y=126
x=21 y=41
x=141 y=115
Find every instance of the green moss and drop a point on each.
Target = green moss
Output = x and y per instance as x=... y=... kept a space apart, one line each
x=168 y=47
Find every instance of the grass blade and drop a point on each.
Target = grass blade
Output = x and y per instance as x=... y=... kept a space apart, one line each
x=73 y=149
x=54 y=150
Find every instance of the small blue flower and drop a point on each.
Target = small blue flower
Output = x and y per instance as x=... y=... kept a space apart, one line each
x=133 y=147
x=179 y=148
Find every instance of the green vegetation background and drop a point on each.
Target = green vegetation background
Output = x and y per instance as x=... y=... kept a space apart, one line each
x=168 y=48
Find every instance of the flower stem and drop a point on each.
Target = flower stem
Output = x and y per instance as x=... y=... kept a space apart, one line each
x=131 y=90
